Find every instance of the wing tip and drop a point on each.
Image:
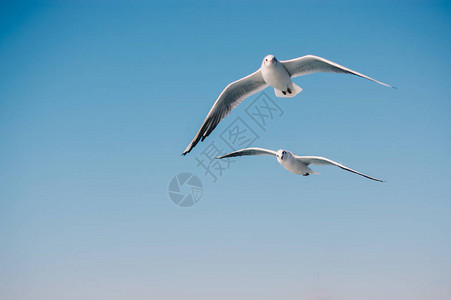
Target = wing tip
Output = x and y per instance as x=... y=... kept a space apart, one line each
x=193 y=144
x=387 y=85
x=383 y=83
x=375 y=179
x=187 y=150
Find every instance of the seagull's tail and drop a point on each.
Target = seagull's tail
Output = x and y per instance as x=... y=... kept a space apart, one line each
x=313 y=172
x=309 y=171
x=293 y=88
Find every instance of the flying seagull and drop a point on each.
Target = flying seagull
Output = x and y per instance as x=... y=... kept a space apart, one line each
x=274 y=73
x=298 y=165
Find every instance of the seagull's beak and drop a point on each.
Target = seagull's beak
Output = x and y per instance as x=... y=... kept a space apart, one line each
x=270 y=60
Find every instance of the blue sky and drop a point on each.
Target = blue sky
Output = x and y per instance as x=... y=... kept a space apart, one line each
x=98 y=101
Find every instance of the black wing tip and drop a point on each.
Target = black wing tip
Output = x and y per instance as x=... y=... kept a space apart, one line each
x=187 y=151
x=193 y=144
x=375 y=179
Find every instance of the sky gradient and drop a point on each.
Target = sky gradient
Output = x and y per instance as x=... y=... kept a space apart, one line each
x=98 y=101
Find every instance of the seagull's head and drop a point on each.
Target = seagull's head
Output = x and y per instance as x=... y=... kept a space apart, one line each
x=282 y=155
x=269 y=60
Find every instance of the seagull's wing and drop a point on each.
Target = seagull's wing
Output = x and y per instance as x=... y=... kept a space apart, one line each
x=318 y=160
x=314 y=64
x=249 y=151
x=230 y=98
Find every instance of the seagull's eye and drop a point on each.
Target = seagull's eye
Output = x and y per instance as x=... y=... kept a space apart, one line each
x=283 y=152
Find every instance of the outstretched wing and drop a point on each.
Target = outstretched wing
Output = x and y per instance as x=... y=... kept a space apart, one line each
x=249 y=151
x=318 y=160
x=314 y=64
x=230 y=98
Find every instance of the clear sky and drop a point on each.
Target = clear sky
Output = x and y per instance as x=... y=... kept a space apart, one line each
x=98 y=100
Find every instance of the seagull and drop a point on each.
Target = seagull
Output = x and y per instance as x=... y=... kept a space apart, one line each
x=274 y=73
x=298 y=165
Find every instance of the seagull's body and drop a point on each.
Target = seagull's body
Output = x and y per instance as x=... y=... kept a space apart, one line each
x=298 y=165
x=274 y=73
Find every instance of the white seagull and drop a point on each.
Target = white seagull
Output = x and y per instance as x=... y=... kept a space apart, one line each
x=298 y=165
x=274 y=73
